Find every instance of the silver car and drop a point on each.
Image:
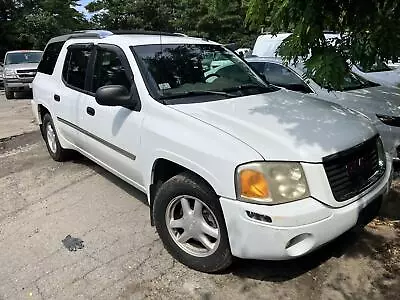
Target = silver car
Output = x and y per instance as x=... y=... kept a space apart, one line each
x=19 y=70
x=380 y=104
x=1 y=74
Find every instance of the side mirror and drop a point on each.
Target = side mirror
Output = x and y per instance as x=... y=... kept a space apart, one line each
x=116 y=95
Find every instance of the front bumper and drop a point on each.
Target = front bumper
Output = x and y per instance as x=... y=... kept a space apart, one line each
x=295 y=228
x=17 y=85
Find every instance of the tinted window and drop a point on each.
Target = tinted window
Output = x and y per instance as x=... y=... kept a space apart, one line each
x=282 y=76
x=109 y=70
x=23 y=57
x=259 y=67
x=50 y=57
x=75 y=66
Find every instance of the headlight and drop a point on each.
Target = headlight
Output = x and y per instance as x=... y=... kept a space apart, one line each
x=9 y=73
x=271 y=182
x=389 y=120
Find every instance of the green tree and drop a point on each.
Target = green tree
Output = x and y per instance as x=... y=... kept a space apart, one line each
x=8 y=13
x=126 y=14
x=44 y=19
x=225 y=23
x=205 y=18
x=368 y=29
x=31 y=23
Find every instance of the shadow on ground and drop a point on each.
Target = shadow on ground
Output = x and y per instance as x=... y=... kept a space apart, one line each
x=135 y=193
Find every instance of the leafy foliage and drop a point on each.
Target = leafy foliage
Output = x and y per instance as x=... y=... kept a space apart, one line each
x=205 y=18
x=126 y=14
x=31 y=23
x=368 y=30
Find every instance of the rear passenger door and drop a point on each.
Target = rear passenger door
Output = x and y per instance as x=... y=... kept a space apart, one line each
x=112 y=132
x=69 y=96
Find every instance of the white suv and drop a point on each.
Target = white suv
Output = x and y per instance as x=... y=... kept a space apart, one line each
x=231 y=166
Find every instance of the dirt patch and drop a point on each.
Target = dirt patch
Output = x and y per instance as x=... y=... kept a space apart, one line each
x=15 y=142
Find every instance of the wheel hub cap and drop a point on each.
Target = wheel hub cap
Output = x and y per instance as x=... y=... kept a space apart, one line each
x=192 y=226
x=51 y=138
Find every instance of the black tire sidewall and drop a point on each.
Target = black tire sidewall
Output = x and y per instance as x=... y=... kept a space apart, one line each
x=9 y=95
x=58 y=155
x=189 y=184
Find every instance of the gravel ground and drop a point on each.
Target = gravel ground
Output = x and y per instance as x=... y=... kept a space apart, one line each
x=43 y=201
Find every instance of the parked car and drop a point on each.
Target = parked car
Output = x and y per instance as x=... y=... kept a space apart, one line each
x=1 y=73
x=380 y=104
x=232 y=167
x=380 y=73
x=19 y=70
x=266 y=45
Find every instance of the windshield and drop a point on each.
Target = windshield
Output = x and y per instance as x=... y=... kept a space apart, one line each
x=183 y=70
x=351 y=82
x=23 y=57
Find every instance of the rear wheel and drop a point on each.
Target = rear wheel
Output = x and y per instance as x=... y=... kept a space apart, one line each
x=49 y=134
x=190 y=223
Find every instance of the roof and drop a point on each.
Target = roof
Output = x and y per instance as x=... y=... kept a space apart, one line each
x=263 y=59
x=19 y=51
x=134 y=37
x=278 y=36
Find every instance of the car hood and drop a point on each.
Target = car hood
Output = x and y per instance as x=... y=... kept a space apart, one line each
x=25 y=66
x=284 y=125
x=389 y=77
x=373 y=100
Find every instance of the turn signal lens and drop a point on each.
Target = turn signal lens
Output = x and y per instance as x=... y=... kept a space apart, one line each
x=253 y=184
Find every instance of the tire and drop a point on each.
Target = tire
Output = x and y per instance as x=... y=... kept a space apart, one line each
x=9 y=95
x=57 y=152
x=189 y=188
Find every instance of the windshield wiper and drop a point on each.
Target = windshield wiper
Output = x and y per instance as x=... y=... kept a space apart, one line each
x=247 y=87
x=197 y=93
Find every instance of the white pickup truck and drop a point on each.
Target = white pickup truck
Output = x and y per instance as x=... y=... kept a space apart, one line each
x=231 y=166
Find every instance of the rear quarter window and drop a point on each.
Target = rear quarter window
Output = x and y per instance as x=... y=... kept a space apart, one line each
x=49 y=59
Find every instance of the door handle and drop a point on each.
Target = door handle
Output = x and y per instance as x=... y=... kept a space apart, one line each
x=90 y=111
x=57 y=98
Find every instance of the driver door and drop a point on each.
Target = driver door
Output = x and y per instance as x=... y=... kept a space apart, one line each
x=112 y=132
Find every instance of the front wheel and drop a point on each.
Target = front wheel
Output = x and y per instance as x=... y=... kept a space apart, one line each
x=9 y=95
x=190 y=223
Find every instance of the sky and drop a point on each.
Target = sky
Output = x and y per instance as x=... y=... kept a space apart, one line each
x=81 y=8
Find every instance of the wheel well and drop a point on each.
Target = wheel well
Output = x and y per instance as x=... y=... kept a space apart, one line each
x=42 y=111
x=164 y=170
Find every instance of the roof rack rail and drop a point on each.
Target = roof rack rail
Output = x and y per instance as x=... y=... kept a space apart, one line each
x=146 y=32
x=94 y=34
x=100 y=34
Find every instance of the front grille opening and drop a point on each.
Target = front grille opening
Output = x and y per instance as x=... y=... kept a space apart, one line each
x=26 y=71
x=352 y=171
